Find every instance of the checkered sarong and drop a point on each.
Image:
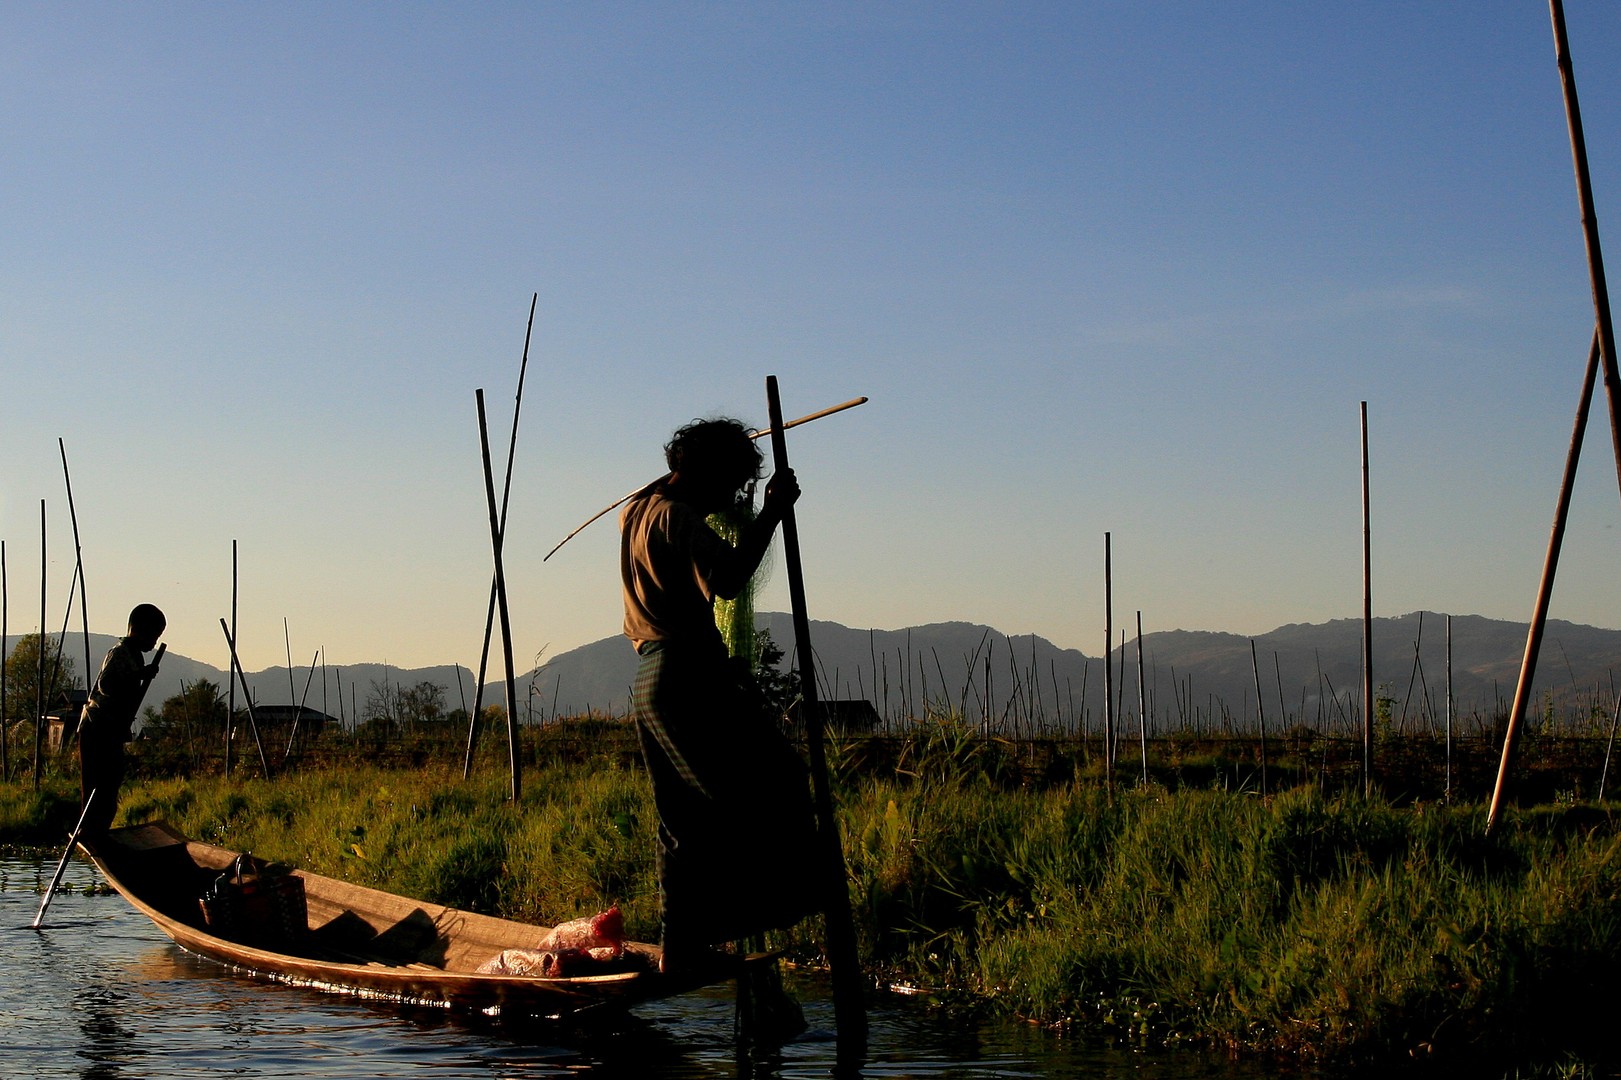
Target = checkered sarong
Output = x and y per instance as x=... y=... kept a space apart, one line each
x=735 y=825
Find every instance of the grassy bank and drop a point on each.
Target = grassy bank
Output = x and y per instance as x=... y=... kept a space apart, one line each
x=1303 y=926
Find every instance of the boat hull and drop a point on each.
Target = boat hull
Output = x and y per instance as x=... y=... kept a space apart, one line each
x=368 y=942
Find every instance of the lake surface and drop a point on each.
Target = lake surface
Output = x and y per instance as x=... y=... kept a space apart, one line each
x=100 y=993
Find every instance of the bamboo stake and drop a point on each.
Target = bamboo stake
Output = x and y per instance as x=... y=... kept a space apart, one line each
x=1604 y=774
x=848 y=1008
x=1550 y=566
x=253 y=721
x=39 y=686
x=1142 y=700
x=1603 y=345
x=78 y=558
x=1449 y=710
x=5 y=637
x=1260 y=712
x=1367 y=622
x=292 y=690
x=1595 y=253
x=230 y=633
x=501 y=603
x=1108 y=668
x=298 y=712
x=770 y=431
x=506 y=491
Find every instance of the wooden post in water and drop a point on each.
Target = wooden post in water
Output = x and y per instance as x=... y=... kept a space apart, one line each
x=513 y=756
x=849 y=1009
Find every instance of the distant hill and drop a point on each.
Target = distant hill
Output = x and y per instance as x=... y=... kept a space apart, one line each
x=1317 y=666
x=1308 y=672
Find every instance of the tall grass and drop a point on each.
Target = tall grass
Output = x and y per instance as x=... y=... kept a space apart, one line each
x=1305 y=925
x=1341 y=929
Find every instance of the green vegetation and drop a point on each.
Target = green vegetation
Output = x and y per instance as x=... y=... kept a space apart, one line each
x=1299 y=925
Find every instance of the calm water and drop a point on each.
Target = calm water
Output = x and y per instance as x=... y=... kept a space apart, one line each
x=100 y=993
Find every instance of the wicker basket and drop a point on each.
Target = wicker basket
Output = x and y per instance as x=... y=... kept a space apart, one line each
x=256 y=906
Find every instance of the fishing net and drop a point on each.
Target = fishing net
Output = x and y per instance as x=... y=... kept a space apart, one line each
x=735 y=618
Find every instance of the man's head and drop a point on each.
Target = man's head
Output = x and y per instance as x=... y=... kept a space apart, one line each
x=146 y=624
x=716 y=457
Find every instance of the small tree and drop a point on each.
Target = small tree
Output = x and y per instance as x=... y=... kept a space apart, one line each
x=778 y=686
x=22 y=676
x=423 y=703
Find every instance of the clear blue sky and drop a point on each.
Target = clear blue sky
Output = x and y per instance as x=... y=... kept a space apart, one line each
x=1123 y=267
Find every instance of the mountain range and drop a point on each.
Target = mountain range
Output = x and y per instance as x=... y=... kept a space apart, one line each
x=1307 y=672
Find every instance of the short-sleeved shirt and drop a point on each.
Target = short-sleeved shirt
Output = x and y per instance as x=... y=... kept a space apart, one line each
x=117 y=693
x=668 y=555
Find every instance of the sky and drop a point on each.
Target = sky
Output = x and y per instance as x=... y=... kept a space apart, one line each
x=1101 y=268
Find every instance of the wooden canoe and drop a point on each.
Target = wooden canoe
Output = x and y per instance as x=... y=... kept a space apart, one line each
x=373 y=943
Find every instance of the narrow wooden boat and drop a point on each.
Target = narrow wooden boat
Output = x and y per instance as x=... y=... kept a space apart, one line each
x=373 y=943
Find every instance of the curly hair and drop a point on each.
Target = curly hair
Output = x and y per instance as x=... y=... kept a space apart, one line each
x=715 y=447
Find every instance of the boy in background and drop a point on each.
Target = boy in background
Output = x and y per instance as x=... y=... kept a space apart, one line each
x=109 y=716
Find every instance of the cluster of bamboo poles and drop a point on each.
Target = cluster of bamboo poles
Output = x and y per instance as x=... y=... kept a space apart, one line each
x=51 y=670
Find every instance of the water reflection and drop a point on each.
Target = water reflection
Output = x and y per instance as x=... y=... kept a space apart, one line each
x=101 y=994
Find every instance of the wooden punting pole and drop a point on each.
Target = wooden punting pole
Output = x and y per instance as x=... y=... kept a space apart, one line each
x=849 y=1009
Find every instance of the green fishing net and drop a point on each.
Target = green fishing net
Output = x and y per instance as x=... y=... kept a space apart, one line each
x=735 y=618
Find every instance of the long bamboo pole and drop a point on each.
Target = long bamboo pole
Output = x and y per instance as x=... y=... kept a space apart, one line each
x=1368 y=704
x=1550 y=567
x=298 y=710
x=1260 y=711
x=770 y=431
x=78 y=558
x=39 y=685
x=501 y=603
x=1108 y=668
x=230 y=633
x=506 y=491
x=1595 y=251
x=1609 y=745
x=253 y=721
x=1449 y=710
x=5 y=638
x=849 y=1010
x=1142 y=700
x=1604 y=344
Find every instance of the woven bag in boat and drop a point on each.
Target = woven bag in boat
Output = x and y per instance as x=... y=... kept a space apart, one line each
x=256 y=905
